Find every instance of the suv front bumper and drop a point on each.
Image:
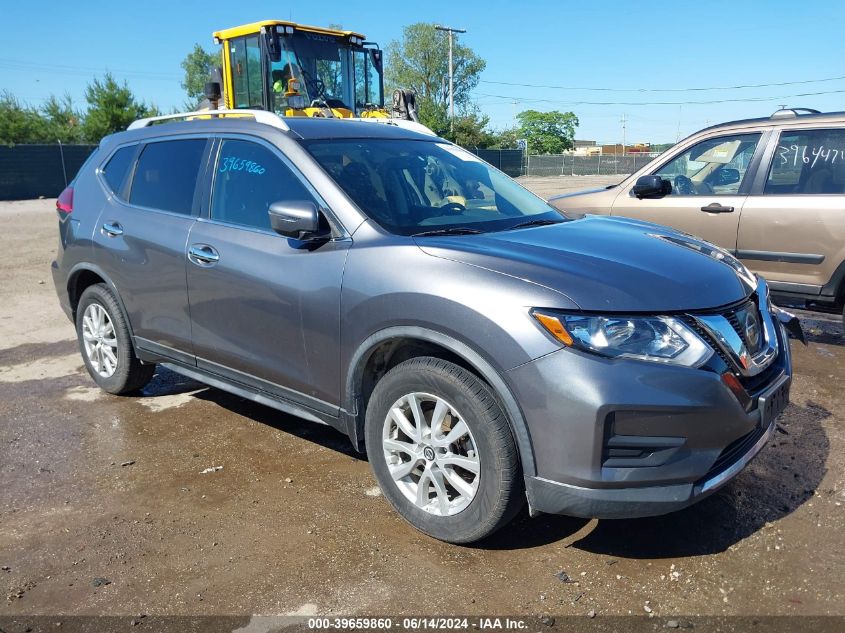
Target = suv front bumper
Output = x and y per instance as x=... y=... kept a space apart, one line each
x=625 y=438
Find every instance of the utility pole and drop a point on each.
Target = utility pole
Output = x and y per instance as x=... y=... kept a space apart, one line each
x=624 y=121
x=450 y=31
x=679 y=124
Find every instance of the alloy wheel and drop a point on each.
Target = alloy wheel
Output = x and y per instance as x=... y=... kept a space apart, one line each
x=99 y=340
x=431 y=454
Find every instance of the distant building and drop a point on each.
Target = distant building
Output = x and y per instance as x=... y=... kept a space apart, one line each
x=616 y=148
x=584 y=148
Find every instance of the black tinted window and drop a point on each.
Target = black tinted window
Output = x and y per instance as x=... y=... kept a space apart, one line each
x=248 y=179
x=808 y=162
x=167 y=175
x=115 y=170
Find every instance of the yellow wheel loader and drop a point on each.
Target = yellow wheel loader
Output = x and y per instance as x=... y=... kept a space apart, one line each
x=297 y=70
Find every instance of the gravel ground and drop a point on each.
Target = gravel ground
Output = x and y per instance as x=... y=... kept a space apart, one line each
x=104 y=507
x=550 y=186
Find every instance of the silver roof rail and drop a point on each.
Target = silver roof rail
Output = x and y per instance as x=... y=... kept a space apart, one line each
x=403 y=123
x=791 y=113
x=260 y=116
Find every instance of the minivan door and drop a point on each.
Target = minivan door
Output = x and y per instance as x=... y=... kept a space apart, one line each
x=709 y=182
x=265 y=309
x=793 y=226
x=140 y=242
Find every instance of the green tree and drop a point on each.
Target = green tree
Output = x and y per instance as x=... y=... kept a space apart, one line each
x=64 y=122
x=57 y=120
x=470 y=126
x=197 y=65
x=111 y=108
x=20 y=123
x=420 y=61
x=471 y=131
x=506 y=139
x=547 y=132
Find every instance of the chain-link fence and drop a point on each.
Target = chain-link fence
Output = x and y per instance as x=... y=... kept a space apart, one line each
x=599 y=165
x=515 y=162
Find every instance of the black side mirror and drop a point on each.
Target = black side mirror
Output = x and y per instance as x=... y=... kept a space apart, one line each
x=727 y=176
x=212 y=91
x=298 y=219
x=651 y=187
x=274 y=45
x=376 y=56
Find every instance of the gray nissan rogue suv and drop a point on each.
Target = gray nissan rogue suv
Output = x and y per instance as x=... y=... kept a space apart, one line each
x=481 y=348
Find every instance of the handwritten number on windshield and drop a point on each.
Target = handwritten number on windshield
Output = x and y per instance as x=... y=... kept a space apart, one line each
x=233 y=163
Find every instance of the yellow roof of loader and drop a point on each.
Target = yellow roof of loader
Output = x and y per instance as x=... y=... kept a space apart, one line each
x=255 y=27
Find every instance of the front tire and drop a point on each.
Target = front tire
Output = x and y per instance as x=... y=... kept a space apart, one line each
x=106 y=345
x=442 y=451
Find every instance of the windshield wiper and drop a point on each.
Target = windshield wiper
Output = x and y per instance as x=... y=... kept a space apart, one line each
x=452 y=230
x=527 y=223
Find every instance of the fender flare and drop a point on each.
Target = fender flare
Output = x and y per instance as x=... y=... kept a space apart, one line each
x=485 y=370
x=93 y=268
x=835 y=287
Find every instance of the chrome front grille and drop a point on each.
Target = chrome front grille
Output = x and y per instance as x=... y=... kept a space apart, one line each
x=742 y=319
x=744 y=336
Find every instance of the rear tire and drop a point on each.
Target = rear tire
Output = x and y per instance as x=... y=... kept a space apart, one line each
x=442 y=451
x=106 y=345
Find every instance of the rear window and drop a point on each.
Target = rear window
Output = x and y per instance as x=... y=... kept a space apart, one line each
x=808 y=162
x=166 y=175
x=116 y=169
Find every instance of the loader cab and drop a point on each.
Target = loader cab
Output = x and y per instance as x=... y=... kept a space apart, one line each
x=298 y=70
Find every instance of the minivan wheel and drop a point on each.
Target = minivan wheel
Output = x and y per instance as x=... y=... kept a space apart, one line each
x=442 y=451
x=105 y=344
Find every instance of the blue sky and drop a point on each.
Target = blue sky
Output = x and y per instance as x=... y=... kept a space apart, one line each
x=58 y=46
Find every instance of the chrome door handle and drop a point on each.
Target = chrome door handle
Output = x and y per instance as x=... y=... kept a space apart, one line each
x=715 y=207
x=112 y=229
x=203 y=254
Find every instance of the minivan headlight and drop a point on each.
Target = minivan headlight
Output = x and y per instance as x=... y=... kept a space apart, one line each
x=661 y=339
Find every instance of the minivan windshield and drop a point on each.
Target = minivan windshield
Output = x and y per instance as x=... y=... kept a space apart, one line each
x=428 y=187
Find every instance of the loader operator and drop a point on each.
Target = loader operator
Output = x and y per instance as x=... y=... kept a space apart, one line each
x=285 y=85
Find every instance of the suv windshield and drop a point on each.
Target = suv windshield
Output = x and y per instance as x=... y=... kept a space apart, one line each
x=428 y=187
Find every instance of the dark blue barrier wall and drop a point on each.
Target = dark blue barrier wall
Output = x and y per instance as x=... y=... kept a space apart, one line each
x=510 y=161
x=30 y=171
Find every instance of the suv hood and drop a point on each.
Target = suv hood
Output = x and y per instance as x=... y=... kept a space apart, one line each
x=607 y=264
x=581 y=192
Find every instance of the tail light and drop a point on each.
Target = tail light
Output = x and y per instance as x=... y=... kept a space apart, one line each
x=64 y=203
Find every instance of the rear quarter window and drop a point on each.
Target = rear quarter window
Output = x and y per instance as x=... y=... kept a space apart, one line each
x=808 y=162
x=115 y=170
x=166 y=175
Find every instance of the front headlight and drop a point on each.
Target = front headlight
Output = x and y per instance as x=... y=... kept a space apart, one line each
x=662 y=339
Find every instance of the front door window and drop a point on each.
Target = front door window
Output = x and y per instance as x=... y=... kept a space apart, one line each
x=716 y=166
x=248 y=179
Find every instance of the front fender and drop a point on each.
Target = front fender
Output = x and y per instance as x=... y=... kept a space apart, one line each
x=482 y=367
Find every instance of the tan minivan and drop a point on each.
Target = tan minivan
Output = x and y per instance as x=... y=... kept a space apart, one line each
x=770 y=190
